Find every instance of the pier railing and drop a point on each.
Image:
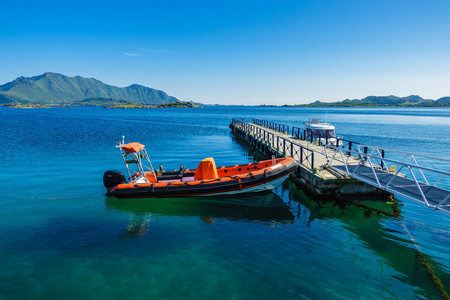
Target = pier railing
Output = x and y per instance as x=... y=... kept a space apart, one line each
x=271 y=125
x=282 y=146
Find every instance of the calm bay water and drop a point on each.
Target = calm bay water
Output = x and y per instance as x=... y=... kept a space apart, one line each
x=61 y=238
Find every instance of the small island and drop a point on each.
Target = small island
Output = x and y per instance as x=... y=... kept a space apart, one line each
x=26 y=106
x=31 y=105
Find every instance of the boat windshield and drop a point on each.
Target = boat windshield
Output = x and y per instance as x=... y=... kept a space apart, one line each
x=324 y=133
x=330 y=133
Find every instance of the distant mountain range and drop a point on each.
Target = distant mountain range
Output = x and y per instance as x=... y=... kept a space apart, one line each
x=56 y=89
x=412 y=100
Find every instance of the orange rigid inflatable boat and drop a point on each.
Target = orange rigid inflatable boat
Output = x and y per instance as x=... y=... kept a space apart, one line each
x=147 y=182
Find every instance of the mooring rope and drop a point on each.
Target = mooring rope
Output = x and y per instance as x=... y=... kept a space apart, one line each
x=436 y=281
x=49 y=198
x=428 y=268
x=396 y=213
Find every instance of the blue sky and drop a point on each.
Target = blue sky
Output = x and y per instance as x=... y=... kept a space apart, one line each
x=236 y=52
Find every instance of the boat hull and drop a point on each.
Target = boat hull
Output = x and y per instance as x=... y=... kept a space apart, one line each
x=259 y=188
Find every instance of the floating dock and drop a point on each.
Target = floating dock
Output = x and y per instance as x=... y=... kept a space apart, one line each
x=345 y=168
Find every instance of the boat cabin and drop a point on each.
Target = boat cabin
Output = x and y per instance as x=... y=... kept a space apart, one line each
x=323 y=133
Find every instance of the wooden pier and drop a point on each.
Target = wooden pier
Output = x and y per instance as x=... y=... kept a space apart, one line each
x=346 y=168
x=313 y=172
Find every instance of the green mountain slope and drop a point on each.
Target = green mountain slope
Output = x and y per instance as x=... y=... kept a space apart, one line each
x=445 y=100
x=52 y=88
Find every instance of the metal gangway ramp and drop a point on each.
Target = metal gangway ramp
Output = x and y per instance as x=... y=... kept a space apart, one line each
x=401 y=174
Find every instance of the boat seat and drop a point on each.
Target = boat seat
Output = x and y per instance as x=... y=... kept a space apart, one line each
x=187 y=178
x=170 y=180
x=206 y=169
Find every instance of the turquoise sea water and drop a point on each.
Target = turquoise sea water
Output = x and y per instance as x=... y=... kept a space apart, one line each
x=61 y=238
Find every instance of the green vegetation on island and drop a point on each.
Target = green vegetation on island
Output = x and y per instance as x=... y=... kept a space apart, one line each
x=28 y=106
x=166 y=105
x=99 y=101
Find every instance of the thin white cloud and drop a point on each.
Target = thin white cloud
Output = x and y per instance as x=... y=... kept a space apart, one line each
x=131 y=54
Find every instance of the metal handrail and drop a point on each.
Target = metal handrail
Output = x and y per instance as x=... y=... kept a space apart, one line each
x=366 y=157
x=396 y=161
x=272 y=125
x=404 y=152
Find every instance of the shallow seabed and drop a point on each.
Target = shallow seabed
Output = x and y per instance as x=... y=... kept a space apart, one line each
x=63 y=239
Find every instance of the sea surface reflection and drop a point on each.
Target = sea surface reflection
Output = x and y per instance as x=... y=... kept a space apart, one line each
x=265 y=208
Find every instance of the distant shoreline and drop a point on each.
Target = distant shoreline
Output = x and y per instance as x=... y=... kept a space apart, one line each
x=371 y=105
x=129 y=105
x=26 y=106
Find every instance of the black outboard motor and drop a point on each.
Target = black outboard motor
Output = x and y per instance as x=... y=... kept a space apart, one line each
x=112 y=178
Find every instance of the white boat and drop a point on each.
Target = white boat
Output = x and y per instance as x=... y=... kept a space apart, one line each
x=321 y=133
